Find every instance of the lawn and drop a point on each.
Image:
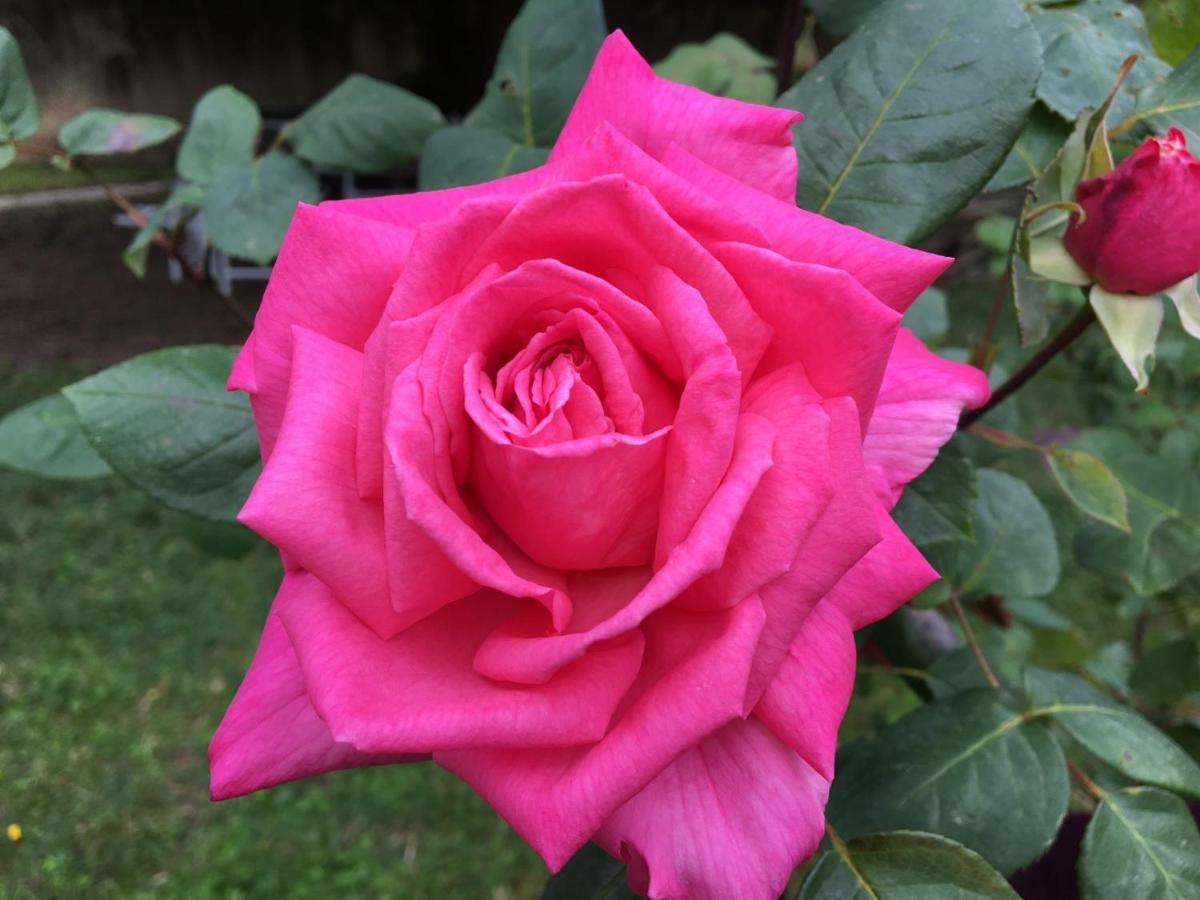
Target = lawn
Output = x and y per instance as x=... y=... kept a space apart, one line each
x=121 y=642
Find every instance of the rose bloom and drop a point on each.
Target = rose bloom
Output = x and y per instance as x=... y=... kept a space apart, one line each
x=1141 y=233
x=581 y=481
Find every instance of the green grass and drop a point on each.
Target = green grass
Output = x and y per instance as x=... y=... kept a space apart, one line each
x=121 y=642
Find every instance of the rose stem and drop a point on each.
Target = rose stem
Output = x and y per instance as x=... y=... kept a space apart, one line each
x=973 y=642
x=1073 y=329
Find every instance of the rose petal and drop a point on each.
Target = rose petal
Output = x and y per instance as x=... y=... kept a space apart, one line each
x=752 y=143
x=731 y=817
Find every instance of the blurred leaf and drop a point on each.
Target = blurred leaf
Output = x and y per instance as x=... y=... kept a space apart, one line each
x=1044 y=133
x=45 y=438
x=908 y=118
x=223 y=131
x=1140 y=843
x=183 y=196
x=165 y=421
x=98 y=132
x=1168 y=672
x=1173 y=101
x=724 y=65
x=1038 y=614
x=18 y=104
x=8 y=152
x=465 y=155
x=927 y=317
x=543 y=61
x=1091 y=485
x=943 y=769
x=249 y=205
x=364 y=125
x=840 y=17
x=1174 y=27
x=1114 y=733
x=900 y=865
x=1083 y=46
x=939 y=504
x=1007 y=650
x=1112 y=665
x=591 y=874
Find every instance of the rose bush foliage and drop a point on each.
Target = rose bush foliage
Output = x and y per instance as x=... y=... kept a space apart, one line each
x=581 y=479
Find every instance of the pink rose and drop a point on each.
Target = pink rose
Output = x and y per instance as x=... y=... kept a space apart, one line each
x=1142 y=232
x=581 y=481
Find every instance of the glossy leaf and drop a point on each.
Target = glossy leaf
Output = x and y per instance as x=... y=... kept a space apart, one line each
x=1114 y=733
x=1141 y=843
x=364 y=125
x=1091 y=485
x=724 y=65
x=591 y=874
x=1043 y=134
x=99 y=132
x=1084 y=45
x=45 y=438
x=543 y=61
x=165 y=422
x=914 y=112
x=1174 y=27
x=248 y=206
x=18 y=104
x=942 y=768
x=223 y=131
x=903 y=865
x=465 y=155
x=1175 y=100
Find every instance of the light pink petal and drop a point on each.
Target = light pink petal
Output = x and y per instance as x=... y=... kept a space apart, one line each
x=805 y=701
x=893 y=572
x=823 y=318
x=751 y=143
x=306 y=503
x=919 y=405
x=418 y=691
x=731 y=817
x=333 y=276
x=692 y=681
x=271 y=733
x=892 y=272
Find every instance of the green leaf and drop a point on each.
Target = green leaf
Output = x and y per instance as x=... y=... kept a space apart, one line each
x=223 y=131
x=1174 y=27
x=1168 y=672
x=164 y=421
x=1044 y=133
x=8 y=152
x=939 y=504
x=591 y=874
x=1084 y=45
x=942 y=768
x=1140 y=843
x=902 y=865
x=18 y=104
x=913 y=113
x=1173 y=101
x=45 y=438
x=248 y=206
x=465 y=155
x=928 y=318
x=1114 y=733
x=1038 y=614
x=98 y=132
x=189 y=196
x=1091 y=485
x=724 y=65
x=364 y=125
x=840 y=17
x=543 y=62
x=1007 y=650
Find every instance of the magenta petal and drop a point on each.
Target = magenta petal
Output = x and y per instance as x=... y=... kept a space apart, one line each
x=271 y=733
x=731 y=817
x=306 y=502
x=692 y=681
x=892 y=272
x=919 y=404
x=750 y=142
x=805 y=701
x=418 y=692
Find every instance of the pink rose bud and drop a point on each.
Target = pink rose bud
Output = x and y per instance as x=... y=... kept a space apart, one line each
x=1141 y=234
